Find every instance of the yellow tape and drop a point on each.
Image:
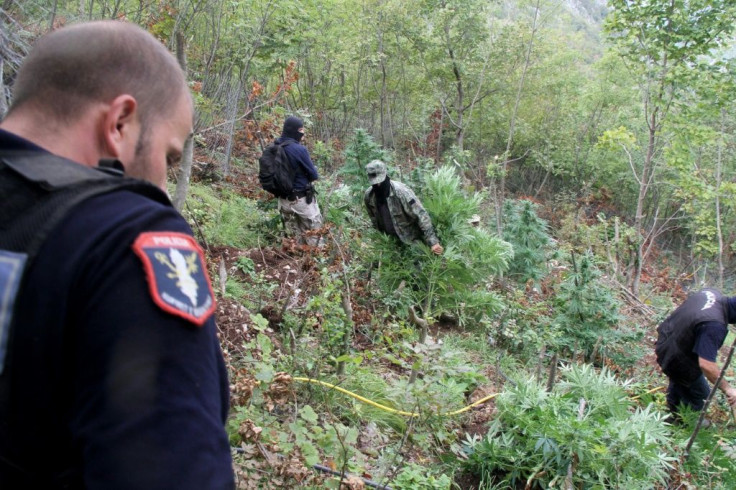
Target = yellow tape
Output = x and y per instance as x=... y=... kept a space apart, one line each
x=416 y=414
x=384 y=407
x=648 y=392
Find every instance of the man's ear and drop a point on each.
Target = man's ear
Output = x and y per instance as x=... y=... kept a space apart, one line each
x=121 y=126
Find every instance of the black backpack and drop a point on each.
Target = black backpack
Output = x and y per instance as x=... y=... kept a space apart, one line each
x=275 y=171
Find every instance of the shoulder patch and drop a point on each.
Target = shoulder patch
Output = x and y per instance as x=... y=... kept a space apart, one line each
x=177 y=275
x=11 y=271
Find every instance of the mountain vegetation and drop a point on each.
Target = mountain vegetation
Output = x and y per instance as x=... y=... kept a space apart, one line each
x=594 y=141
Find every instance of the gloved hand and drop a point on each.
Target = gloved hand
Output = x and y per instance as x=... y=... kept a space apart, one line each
x=311 y=192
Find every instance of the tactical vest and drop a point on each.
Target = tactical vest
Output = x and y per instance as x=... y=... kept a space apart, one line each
x=39 y=190
x=674 y=346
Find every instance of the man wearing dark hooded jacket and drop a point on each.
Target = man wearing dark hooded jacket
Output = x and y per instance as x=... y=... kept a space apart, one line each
x=687 y=346
x=299 y=211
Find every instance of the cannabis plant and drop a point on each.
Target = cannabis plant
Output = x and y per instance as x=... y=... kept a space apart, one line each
x=587 y=310
x=326 y=309
x=524 y=327
x=360 y=151
x=458 y=281
x=584 y=434
x=528 y=235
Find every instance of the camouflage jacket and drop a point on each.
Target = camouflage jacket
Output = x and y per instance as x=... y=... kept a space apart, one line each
x=410 y=219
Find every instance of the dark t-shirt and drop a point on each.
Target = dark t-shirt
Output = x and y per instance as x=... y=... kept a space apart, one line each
x=384 y=221
x=105 y=380
x=709 y=337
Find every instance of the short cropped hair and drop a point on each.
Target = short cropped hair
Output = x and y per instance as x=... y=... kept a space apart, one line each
x=69 y=69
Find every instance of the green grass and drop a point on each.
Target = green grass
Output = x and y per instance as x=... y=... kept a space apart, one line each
x=448 y=372
x=224 y=218
x=712 y=460
x=368 y=384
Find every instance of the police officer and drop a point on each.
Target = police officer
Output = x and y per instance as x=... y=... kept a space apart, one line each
x=299 y=211
x=687 y=346
x=112 y=374
x=395 y=210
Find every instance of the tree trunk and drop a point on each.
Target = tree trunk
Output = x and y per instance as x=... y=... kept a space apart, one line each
x=115 y=10
x=459 y=100
x=382 y=59
x=644 y=181
x=233 y=101
x=216 y=28
x=719 y=177
x=53 y=15
x=500 y=195
x=187 y=159
x=139 y=14
x=438 y=151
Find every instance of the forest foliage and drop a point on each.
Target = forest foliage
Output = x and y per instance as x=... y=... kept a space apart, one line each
x=530 y=97
x=578 y=160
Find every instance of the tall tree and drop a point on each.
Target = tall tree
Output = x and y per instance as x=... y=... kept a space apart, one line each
x=703 y=155
x=457 y=35
x=660 y=41
x=533 y=31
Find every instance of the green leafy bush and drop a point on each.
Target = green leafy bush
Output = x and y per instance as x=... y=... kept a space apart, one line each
x=327 y=306
x=227 y=219
x=586 y=430
x=458 y=281
x=524 y=327
x=587 y=310
x=303 y=435
x=339 y=206
x=415 y=477
x=712 y=461
x=359 y=152
x=528 y=235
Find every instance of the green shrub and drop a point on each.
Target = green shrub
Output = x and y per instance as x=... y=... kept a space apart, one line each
x=415 y=477
x=524 y=328
x=587 y=310
x=338 y=206
x=528 y=235
x=326 y=306
x=585 y=427
x=235 y=289
x=323 y=155
x=226 y=220
x=458 y=281
x=712 y=461
x=360 y=151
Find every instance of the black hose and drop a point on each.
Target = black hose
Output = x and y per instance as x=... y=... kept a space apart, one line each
x=503 y=375
x=370 y=483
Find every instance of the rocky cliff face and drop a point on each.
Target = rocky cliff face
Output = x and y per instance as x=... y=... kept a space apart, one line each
x=592 y=11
